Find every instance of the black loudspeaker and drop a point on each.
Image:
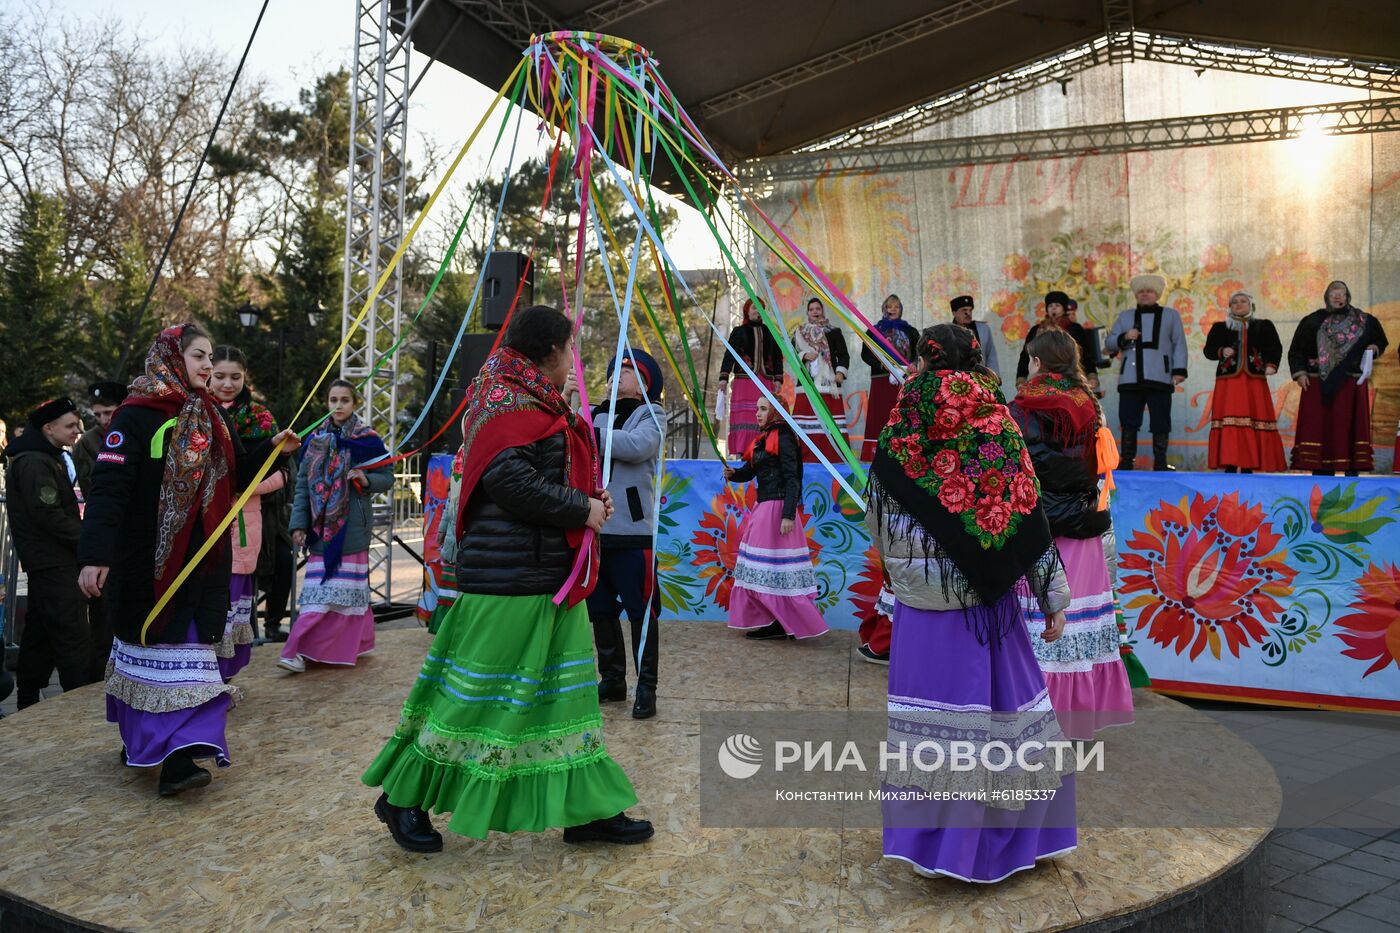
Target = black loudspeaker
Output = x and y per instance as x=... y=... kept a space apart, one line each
x=471 y=355
x=503 y=273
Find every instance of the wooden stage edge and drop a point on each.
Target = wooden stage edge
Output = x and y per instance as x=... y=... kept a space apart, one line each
x=285 y=839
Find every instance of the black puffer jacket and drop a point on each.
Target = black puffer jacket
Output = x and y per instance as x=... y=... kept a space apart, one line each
x=511 y=542
x=1069 y=491
x=780 y=477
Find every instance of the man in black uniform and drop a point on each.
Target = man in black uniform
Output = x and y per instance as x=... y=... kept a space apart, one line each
x=44 y=522
x=103 y=399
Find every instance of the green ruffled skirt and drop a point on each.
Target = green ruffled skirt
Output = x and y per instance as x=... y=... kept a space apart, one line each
x=502 y=727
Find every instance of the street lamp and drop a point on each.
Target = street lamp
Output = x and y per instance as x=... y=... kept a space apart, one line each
x=248 y=315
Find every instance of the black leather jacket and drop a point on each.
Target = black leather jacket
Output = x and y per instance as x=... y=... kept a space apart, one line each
x=1069 y=491
x=780 y=477
x=511 y=542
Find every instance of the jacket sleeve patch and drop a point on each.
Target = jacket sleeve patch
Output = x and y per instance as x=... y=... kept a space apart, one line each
x=115 y=440
x=108 y=457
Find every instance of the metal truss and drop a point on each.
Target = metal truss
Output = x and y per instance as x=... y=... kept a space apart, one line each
x=1367 y=116
x=1061 y=67
x=516 y=21
x=374 y=226
x=1118 y=29
x=822 y=65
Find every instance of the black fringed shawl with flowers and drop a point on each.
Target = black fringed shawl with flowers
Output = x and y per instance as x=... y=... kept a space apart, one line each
x=953 y=472
x=198 y=483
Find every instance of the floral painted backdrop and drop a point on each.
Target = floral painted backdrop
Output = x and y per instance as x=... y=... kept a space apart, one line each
x=1285 y=588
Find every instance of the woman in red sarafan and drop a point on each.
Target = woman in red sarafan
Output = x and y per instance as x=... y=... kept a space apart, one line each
x=1243 y=425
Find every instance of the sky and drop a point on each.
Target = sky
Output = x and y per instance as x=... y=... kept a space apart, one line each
x=300 y=39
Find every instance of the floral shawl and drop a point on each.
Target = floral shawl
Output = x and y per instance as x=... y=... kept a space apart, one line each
x=815 y=337
x=197 y=485
x=520 y=406
x=251 y=420
x=900 y=335
x=953 y=471
x=331 y=453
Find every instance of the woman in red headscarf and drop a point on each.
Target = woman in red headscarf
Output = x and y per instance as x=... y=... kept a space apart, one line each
x=775 y=585
x=502 y=729
x=170 y=470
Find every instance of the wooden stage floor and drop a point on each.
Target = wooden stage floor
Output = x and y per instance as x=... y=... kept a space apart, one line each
x=286 y=839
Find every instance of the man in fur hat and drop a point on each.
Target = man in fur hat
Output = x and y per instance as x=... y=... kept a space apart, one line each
x=963 y=308
x=44 y=521
x=1152 y=342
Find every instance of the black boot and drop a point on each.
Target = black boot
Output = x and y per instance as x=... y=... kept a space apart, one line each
x=273 y=632
x=612 y=659
x=179 y=774
x=1128 y=452
x=1160 y=443
x=409 y=826
x=645 y=707
x=620 y=829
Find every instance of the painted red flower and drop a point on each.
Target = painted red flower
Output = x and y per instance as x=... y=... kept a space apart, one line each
x=1216 y=258
x=1207 y=571
x=1023 y=495
x=916 y=467
x=716 y=540
x=993 y=514
x=957 y=494
x=865 y=591
x=1373 y=627
x=1016 y=267
x=945 y=463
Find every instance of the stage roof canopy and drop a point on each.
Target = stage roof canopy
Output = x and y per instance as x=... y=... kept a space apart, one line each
x=763 y=77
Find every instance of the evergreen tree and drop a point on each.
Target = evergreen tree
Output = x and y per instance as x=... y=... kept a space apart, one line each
x=40 y=329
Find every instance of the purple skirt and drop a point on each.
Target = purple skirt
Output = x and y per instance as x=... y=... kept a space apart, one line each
x=236 y=650
x=942 y=682
x=168 y=698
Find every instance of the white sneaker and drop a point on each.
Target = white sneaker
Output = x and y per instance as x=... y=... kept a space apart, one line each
x=296 y=665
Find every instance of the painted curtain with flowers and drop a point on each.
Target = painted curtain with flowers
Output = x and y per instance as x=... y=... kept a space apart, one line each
x=1277 y=219
x=1280 y=589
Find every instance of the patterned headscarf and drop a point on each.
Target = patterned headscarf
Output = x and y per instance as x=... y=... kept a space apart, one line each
x=331 y=453
x=520 y=406
x=199 y=460
x=953 y=472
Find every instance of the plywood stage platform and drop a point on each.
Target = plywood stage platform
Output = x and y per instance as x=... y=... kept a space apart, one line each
x=286 y=838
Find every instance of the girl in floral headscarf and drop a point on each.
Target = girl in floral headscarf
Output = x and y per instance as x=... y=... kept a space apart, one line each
x=169 y=471
x=822 y=350
x=954 y=509
x=252 y=422
x=331 y=513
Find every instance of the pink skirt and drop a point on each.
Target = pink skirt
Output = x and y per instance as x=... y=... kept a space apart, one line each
x=1084 y=668
x=743 y=413
x=334 y=624
x=774 y=579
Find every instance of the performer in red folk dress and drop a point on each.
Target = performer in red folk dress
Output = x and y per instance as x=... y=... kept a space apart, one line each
x=822 y=349
x=1330 y=358
x=891 y=333
x=1243 y=425
x=756 y=345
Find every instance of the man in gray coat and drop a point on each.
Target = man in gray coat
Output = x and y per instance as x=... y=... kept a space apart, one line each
x=627 y=575
x=963 y=307
x=1152 y=342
